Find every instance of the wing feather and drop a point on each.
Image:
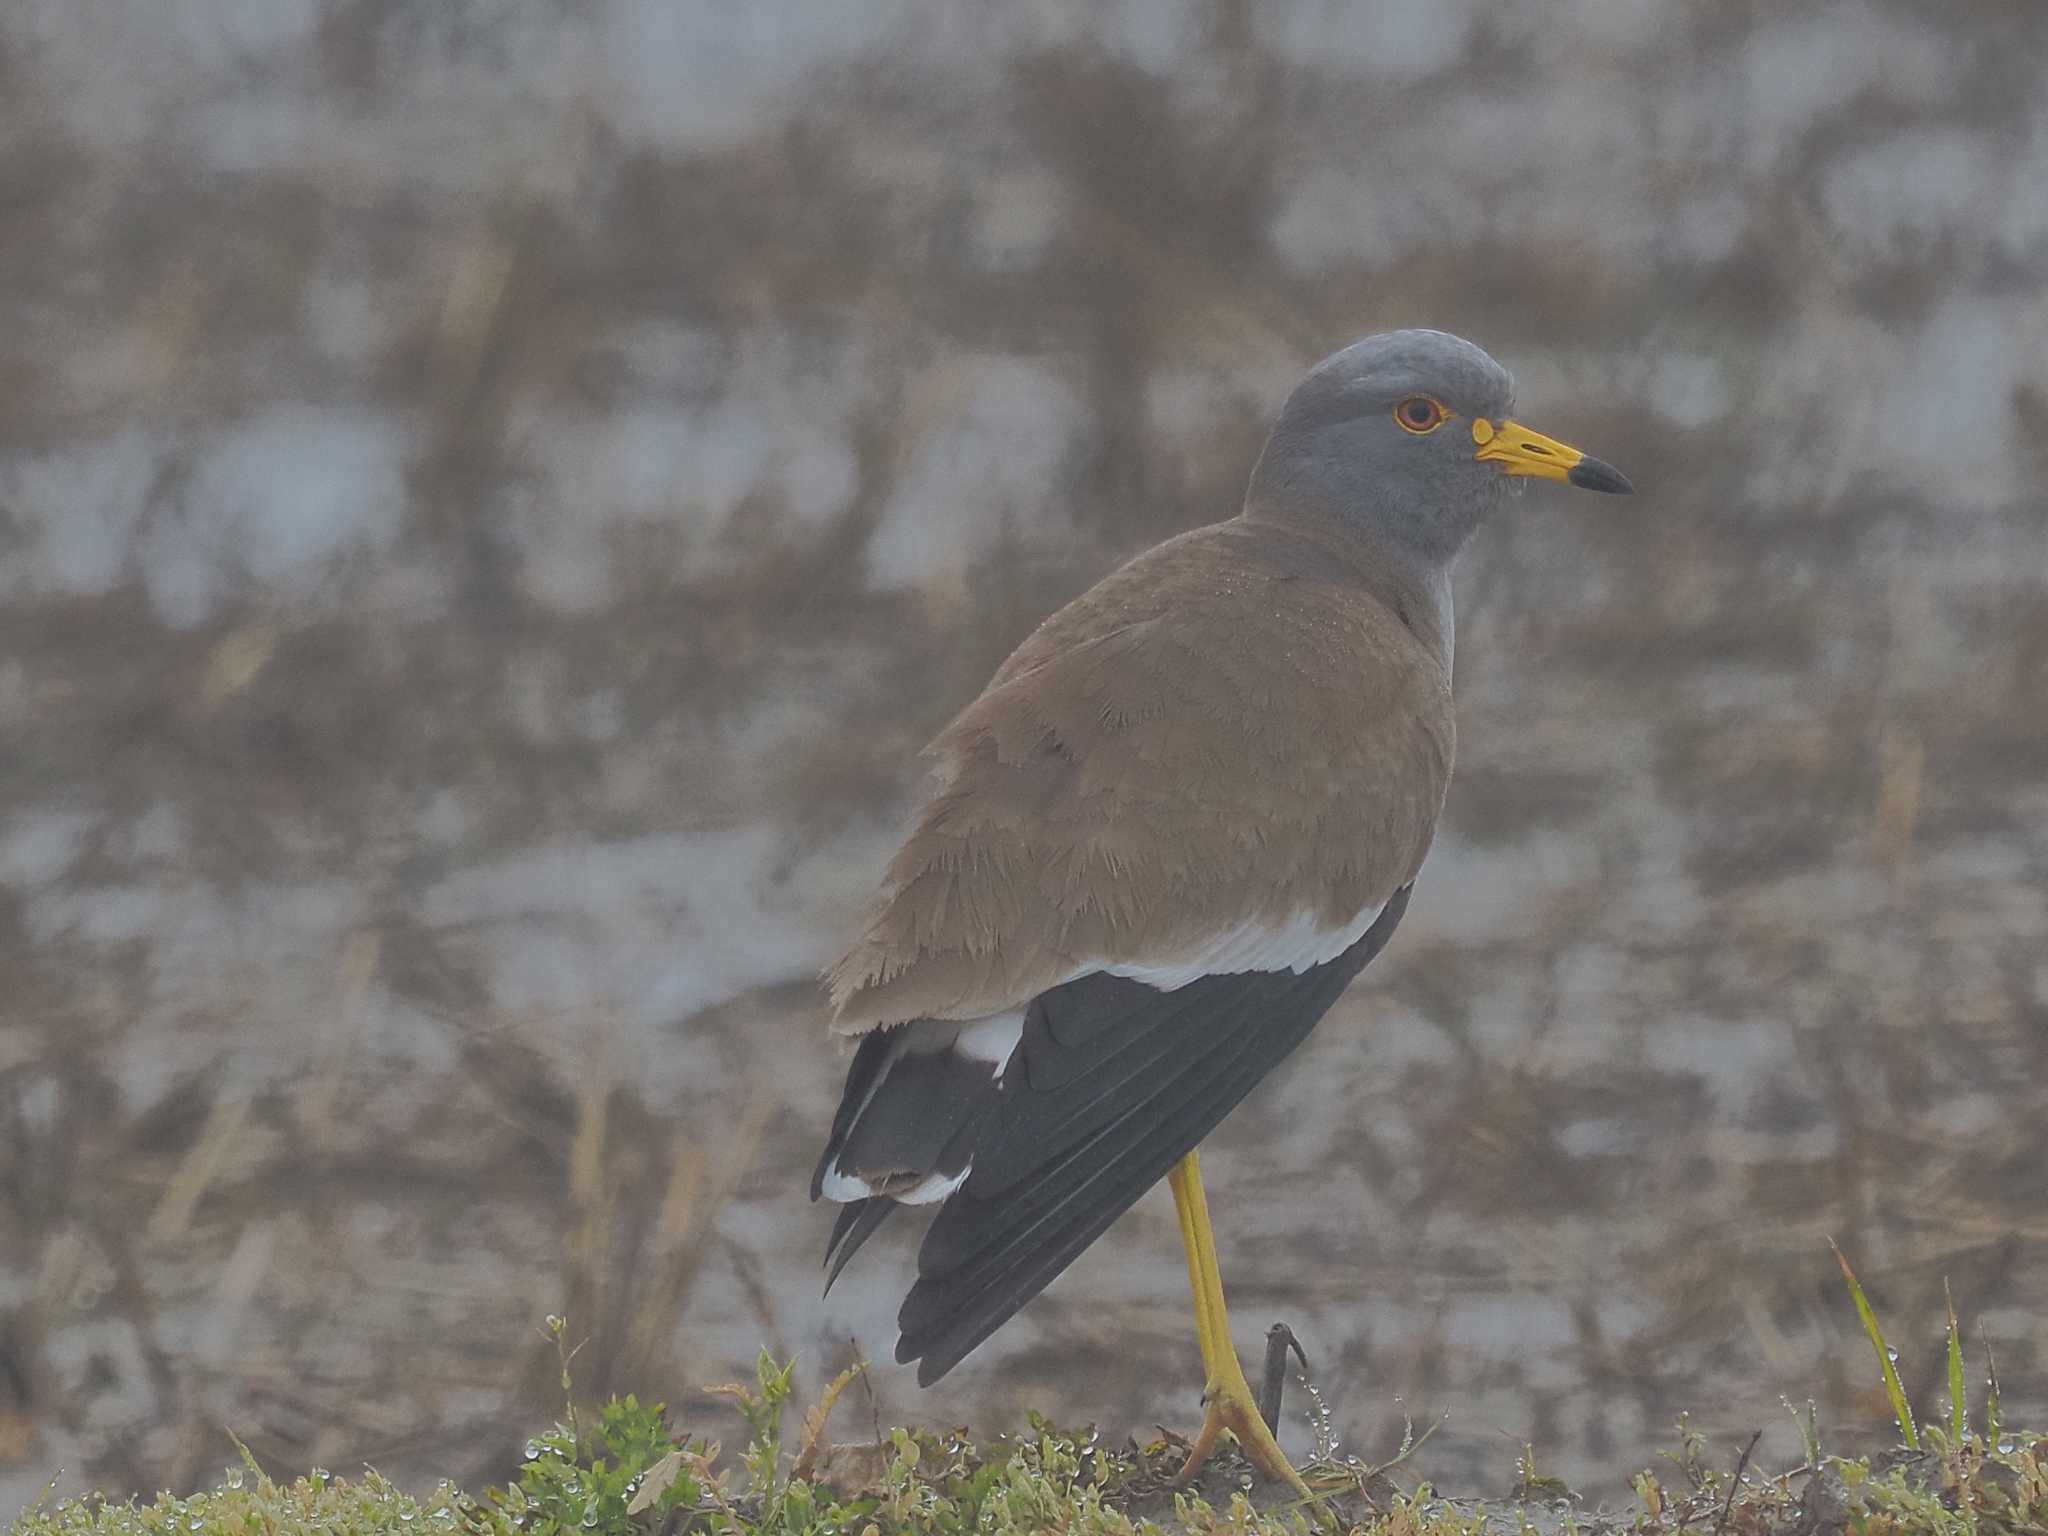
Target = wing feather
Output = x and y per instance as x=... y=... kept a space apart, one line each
x=1053 y=1170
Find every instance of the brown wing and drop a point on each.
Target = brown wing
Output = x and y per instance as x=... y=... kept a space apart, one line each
x=1235 y=728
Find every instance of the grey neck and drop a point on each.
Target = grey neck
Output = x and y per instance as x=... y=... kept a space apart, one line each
x=1422 y=596
x=1414 y=582
x=1321 y=475
x=1447 y=623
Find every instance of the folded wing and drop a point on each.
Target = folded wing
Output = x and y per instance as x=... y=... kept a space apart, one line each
x=1111 y=1082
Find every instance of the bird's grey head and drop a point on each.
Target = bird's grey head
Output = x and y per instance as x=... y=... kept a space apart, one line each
x=1407 y=435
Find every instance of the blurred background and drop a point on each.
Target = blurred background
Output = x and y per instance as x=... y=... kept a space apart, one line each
x=493 y=497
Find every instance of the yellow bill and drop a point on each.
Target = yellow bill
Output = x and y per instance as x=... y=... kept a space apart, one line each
x=1521 y=451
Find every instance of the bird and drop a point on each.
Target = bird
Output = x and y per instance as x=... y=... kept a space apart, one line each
x=1185 y=813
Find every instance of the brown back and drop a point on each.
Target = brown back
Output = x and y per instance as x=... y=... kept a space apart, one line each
x=1244 y=724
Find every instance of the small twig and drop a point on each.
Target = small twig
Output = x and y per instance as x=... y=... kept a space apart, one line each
x=1410 y=1442
x=1279 y=1339
x=1735 y=1482
x=867 y=1386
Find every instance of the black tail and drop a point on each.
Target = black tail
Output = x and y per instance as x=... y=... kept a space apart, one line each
x=1110 y=1085
x=907 y=1124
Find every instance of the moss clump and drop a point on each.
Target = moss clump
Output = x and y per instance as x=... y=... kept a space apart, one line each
x=246 y=1503
x=625 y=1474
x=1972 y=1486
x=1054 y=1482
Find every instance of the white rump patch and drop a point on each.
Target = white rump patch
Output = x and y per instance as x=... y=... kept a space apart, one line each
x=991 y=1042
x=933 y=1187
x=993 y=1039
x=843 y=1187
x=1299 y=944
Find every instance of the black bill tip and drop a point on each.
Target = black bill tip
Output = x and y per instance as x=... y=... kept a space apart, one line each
x=1591 y=474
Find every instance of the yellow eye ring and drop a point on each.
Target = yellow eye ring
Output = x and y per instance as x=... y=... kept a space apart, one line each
x=1420 y=414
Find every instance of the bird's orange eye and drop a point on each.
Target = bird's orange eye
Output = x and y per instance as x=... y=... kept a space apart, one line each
x=1419 y=413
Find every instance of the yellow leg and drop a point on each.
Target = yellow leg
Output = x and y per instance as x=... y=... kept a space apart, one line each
x=1231 y=1404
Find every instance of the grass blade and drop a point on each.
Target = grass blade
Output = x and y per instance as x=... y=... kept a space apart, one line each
x=1901 y=1410
x=814 y=1422
x=1808 y=1425
x=1958 y=1399
x=1991 y=1434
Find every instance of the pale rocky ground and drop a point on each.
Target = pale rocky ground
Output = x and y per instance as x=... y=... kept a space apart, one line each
x=491 y=504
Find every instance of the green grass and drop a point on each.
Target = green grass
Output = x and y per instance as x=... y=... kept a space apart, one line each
x=1887 y=1357
x=624 y=1473
x=629 y=1478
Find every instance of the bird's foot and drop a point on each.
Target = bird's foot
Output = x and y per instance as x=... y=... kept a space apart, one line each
x=1231 y=1406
